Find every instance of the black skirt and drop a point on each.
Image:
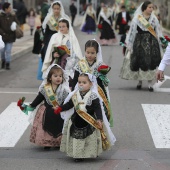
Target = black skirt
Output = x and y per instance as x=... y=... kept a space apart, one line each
x=146 y=52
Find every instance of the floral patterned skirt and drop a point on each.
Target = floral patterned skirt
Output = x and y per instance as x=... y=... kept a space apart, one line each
x=38 y=135
x=89 y=147
x=128 y=74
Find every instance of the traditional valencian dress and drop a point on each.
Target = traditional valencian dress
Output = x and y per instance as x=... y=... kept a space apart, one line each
x=50 y=25
x=84 y=67
x=68 y=43
x=144 y=40
x=107 y=36
x=81 y=136
x=47 y=127
x=89 y=21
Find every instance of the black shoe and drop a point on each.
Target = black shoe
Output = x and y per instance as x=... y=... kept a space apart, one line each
x=47 y=147
x=7 y=66
x=78 y=160
x=150 y=89
x=3 y=64
x=139 y=86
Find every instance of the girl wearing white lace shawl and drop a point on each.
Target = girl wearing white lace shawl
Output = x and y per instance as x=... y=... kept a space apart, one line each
x=107 y=36
x=66 y=37
x=46 y=126
x=144 y=46
x=93 y=64
x=50 y=23
x=80 y=138
x=89 y=20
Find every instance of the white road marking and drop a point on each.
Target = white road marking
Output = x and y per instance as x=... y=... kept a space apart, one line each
x=158 y=119
x=157 y=86
x=13 y=123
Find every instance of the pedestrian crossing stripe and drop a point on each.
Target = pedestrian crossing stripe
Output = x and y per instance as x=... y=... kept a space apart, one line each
x=158 y=119
x=157 y=86
x=13 y=123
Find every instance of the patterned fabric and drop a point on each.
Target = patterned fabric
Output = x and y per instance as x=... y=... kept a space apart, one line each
x=146 y=53
x=90 y=147
x=93 y=68
x=60 y=96
x=127 y=74
x=38 y=135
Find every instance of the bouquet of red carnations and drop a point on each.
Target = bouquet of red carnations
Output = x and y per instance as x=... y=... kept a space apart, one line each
x=104 y=69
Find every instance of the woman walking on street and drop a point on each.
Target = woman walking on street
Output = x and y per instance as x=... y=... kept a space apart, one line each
x=89 y=20
x=107 y=36
x=143 y=41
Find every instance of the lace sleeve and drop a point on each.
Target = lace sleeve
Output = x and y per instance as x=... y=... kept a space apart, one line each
x=131 y=35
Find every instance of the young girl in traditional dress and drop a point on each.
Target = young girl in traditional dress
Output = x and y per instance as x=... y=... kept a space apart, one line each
x=47 y=127
x=144 y=45
x=50 y=23
x=107 y=36
x=86 y=131
x=89 y=20
x=64 y=40
x=93 y=63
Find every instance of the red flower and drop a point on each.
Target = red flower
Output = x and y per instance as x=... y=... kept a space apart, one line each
x=38 y=27
x=20 y=103
x=60 y=47
x=99 y=26
x=102 y=67
x=167 y=38
x=58 y=110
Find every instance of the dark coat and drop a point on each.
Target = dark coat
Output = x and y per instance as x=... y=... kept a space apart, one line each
x=119 y=22
x=8 y=36
x=37 y=41
x=21 y=12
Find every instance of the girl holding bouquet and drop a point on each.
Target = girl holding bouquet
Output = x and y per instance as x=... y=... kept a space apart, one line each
x=89 y=20
x=50 y=23
x=93 y=63
x=47 y=127
x=86 y=132
x=63 y=48
x=107 y=36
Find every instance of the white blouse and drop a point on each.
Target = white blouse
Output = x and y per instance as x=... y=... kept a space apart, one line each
x=166 y=59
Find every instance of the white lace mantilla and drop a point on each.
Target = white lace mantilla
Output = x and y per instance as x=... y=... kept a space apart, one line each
x=60 y=96
x=93 y=68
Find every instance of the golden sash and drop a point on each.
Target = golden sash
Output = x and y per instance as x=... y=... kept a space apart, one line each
x=147 y=25
x=89 y=119
x=53 y=22
x=103 y=96
x=84 y=66
x=86 y=69
x=51 y=95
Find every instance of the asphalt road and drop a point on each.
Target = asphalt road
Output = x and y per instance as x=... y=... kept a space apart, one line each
x=136 y=148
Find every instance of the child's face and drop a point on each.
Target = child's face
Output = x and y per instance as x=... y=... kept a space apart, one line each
x=90 y=54
x=56 y=10
x=63 y=28
x=57 y=77
x=84 y=83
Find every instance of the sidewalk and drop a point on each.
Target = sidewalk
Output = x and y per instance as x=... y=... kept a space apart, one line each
x=24 y=44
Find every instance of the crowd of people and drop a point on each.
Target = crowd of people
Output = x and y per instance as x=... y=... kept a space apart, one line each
x=73 y=108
